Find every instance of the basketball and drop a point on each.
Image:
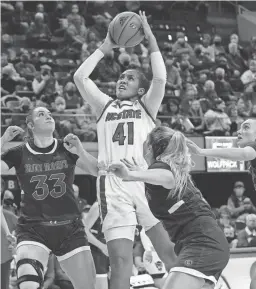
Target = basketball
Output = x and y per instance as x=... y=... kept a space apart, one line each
x=126 y=29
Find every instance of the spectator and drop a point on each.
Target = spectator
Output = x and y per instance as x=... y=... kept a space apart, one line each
x=9 y=81
x=174 y=81
x=196 y=116
x=247 y=236
x=223 y=88
x=207 y=49
x=25 y=68
x=181 y=46
x=251 y=50
x=40 y=9
x=200 y=61
x=235 y=61
x=225 y=223
x=235 y=119
x=109 y=69
x=217 y=46
x=86 y=123
x=243 y=109
x=217 y=121
x=200 y=84
x=124 y=60
x=146 y=68
x=74 y=17
x=8 y=202
x=249 y=77
x=239 y=204
x=58 y=21
x=100 y=27
x=64 y=125
x=20 y=19
x=76 y=32
x=71 y=96
x=235 y=82
x=45 y=86
x=209 y=92
x=39 y=32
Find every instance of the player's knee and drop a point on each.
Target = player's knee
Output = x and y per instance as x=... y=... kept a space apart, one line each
x=121 y=262
x=29 y=274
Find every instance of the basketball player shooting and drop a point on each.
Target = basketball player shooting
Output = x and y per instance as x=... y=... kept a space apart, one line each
x=123 y=125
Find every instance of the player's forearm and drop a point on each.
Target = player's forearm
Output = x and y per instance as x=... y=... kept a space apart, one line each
x=89 y=163
x=154 y=177
x=87 y=67
x=158 y=66
x=93 y=240
x=236 y=154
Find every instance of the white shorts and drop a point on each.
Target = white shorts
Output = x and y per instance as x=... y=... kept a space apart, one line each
x=123 y=204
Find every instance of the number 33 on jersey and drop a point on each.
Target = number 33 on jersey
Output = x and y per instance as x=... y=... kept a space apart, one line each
x=122 y=129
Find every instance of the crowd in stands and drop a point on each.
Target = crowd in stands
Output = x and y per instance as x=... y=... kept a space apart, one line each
x=210 y=89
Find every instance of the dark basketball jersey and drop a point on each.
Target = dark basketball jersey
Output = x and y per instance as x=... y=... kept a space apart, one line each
x=45 y=176
x=252 y=165
x=176 y=214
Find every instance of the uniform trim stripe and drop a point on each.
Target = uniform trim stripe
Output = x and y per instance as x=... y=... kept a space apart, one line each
x=176 y=206
x=73 y=252
x=104 y=109
x=194 y=272
x=146 y=110
x=39 y=153
x=103 y=200
x=34 y=243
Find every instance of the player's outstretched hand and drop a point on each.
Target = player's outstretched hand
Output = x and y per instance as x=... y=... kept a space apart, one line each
x=73 y=144
x=131 y=166
x=193 y=148
x=146 y=28
x=120 y=170
x=10 y=133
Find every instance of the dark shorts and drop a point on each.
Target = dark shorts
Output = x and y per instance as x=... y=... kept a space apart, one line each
x=204 y=252
x=101 y=261
x=59 y=239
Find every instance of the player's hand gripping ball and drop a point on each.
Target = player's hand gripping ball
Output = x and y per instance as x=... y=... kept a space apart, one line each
x=126 y=29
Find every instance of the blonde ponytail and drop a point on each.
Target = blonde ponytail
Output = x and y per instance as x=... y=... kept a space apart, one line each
x=177 y=156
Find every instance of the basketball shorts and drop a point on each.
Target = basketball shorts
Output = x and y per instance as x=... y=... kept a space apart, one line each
x=122 y=206
x=101 y=261
x=204 y=253
x=63 y=240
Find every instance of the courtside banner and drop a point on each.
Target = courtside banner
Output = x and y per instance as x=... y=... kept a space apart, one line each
x=221 y=165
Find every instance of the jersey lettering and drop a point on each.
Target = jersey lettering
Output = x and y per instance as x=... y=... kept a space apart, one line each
x=43 y=186
x=11 y=185
x=37 y=168
x=129 y=113
x=119 y=133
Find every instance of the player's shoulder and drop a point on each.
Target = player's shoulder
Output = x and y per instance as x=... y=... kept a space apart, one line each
x=17 y=148
x=160 y=165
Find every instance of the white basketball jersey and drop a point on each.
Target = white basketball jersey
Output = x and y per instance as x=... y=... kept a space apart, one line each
x=122 y=129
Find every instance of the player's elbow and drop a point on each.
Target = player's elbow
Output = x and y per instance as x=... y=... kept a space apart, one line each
x=248 y=154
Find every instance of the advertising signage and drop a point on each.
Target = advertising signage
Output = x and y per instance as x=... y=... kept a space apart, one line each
x=222 y=165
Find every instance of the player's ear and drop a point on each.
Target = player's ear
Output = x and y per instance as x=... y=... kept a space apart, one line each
x=30 y=125
x=141 y=91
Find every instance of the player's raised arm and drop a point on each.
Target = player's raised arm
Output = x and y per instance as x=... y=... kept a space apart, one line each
x=87 y=88
x=153 y=98
x=236 y=154
x=11 y=157
x=86 y=161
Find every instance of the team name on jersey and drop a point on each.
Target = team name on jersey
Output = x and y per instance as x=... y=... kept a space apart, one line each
x=129 y=113
x=35 y=168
